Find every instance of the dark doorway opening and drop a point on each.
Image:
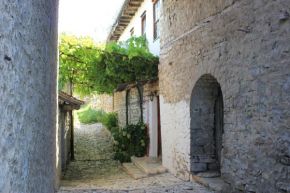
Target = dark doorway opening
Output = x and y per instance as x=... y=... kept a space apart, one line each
x=159 y=129
x=206 y=112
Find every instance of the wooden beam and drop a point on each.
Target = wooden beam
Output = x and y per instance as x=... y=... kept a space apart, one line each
x=69 y=99
x=132 y=9
x=126 y=17
x=134 y=5
x=129 y=14
x=70 y=107
x=124 y=22
x=117 y=33
x=122 y=19
x=121 y=27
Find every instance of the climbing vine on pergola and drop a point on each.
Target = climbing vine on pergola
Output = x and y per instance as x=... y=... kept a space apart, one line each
x=95 y=67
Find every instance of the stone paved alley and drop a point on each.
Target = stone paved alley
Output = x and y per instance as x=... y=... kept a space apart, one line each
x=95 y=170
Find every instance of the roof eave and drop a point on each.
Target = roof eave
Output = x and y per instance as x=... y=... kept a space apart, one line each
x=136 y=4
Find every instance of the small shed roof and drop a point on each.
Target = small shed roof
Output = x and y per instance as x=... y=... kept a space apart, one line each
x=68 y=101
x=128 y=86
x=126 y=13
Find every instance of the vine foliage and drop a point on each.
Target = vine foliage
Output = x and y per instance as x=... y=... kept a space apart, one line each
x=95 y=67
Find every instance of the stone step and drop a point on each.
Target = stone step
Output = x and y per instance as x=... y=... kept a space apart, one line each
x=133 y=171
x=209 y=174
x=213 y=183
x=150 y=165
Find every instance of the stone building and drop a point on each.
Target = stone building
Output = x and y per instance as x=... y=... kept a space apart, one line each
x=140 y=100
x=137 y=18
x=225 y=91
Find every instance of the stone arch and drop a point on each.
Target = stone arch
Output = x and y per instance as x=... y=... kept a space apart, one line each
x=134 y=112
x=206 y=125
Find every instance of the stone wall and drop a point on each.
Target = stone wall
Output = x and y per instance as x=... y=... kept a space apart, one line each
x=120 y=107
x=28 y=74
x=134 y=111
x=103 y=101
x=245 y=46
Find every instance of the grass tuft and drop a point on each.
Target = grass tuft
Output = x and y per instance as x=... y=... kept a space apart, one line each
x=88 y=115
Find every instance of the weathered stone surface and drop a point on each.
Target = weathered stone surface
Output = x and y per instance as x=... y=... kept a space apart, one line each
x=134 y=112
x=284 y=186
x=103 y=174
x=103 y=101
x=245 y=46
x=28 y=71
x=134 y=171
x=285 y=160
x=97 y=145
x=197 y=167
x=209 y=174
x=213 y=183
x=149 y=165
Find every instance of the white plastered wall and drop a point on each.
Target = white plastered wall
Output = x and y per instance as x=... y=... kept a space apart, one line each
x=154 y=45
x=153 y=126
x=175 y=132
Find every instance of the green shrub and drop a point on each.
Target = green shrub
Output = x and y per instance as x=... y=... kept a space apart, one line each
x=131 y=140
x=110 y=120
x=100 y=115
x=89 y=115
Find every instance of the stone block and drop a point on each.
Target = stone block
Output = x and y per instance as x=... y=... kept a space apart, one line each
x=209 y=174
x=197 y=150
x=209 y=149
x=198 y=167
x=213 y=166
x=285 y=160
x=283 y=186
x=226 y=187
x=207 y=160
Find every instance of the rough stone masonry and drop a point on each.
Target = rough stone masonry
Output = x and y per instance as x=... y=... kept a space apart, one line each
x=28 y=74
x=245 y=46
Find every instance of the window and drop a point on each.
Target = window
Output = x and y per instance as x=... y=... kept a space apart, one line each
x=156 y=5
x=132 y=32
x=143 y=23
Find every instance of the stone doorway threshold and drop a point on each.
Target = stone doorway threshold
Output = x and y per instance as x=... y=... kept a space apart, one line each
x=144 y=167
x=210 y=179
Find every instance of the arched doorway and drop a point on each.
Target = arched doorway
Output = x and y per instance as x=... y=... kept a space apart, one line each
x=206 y=112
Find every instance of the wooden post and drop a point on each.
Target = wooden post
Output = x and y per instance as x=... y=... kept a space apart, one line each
x=72 y=153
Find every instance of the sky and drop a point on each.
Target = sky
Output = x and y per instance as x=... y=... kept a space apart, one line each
x=88 y=17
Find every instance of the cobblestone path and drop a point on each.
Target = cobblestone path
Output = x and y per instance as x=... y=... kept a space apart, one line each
x=95 y=170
